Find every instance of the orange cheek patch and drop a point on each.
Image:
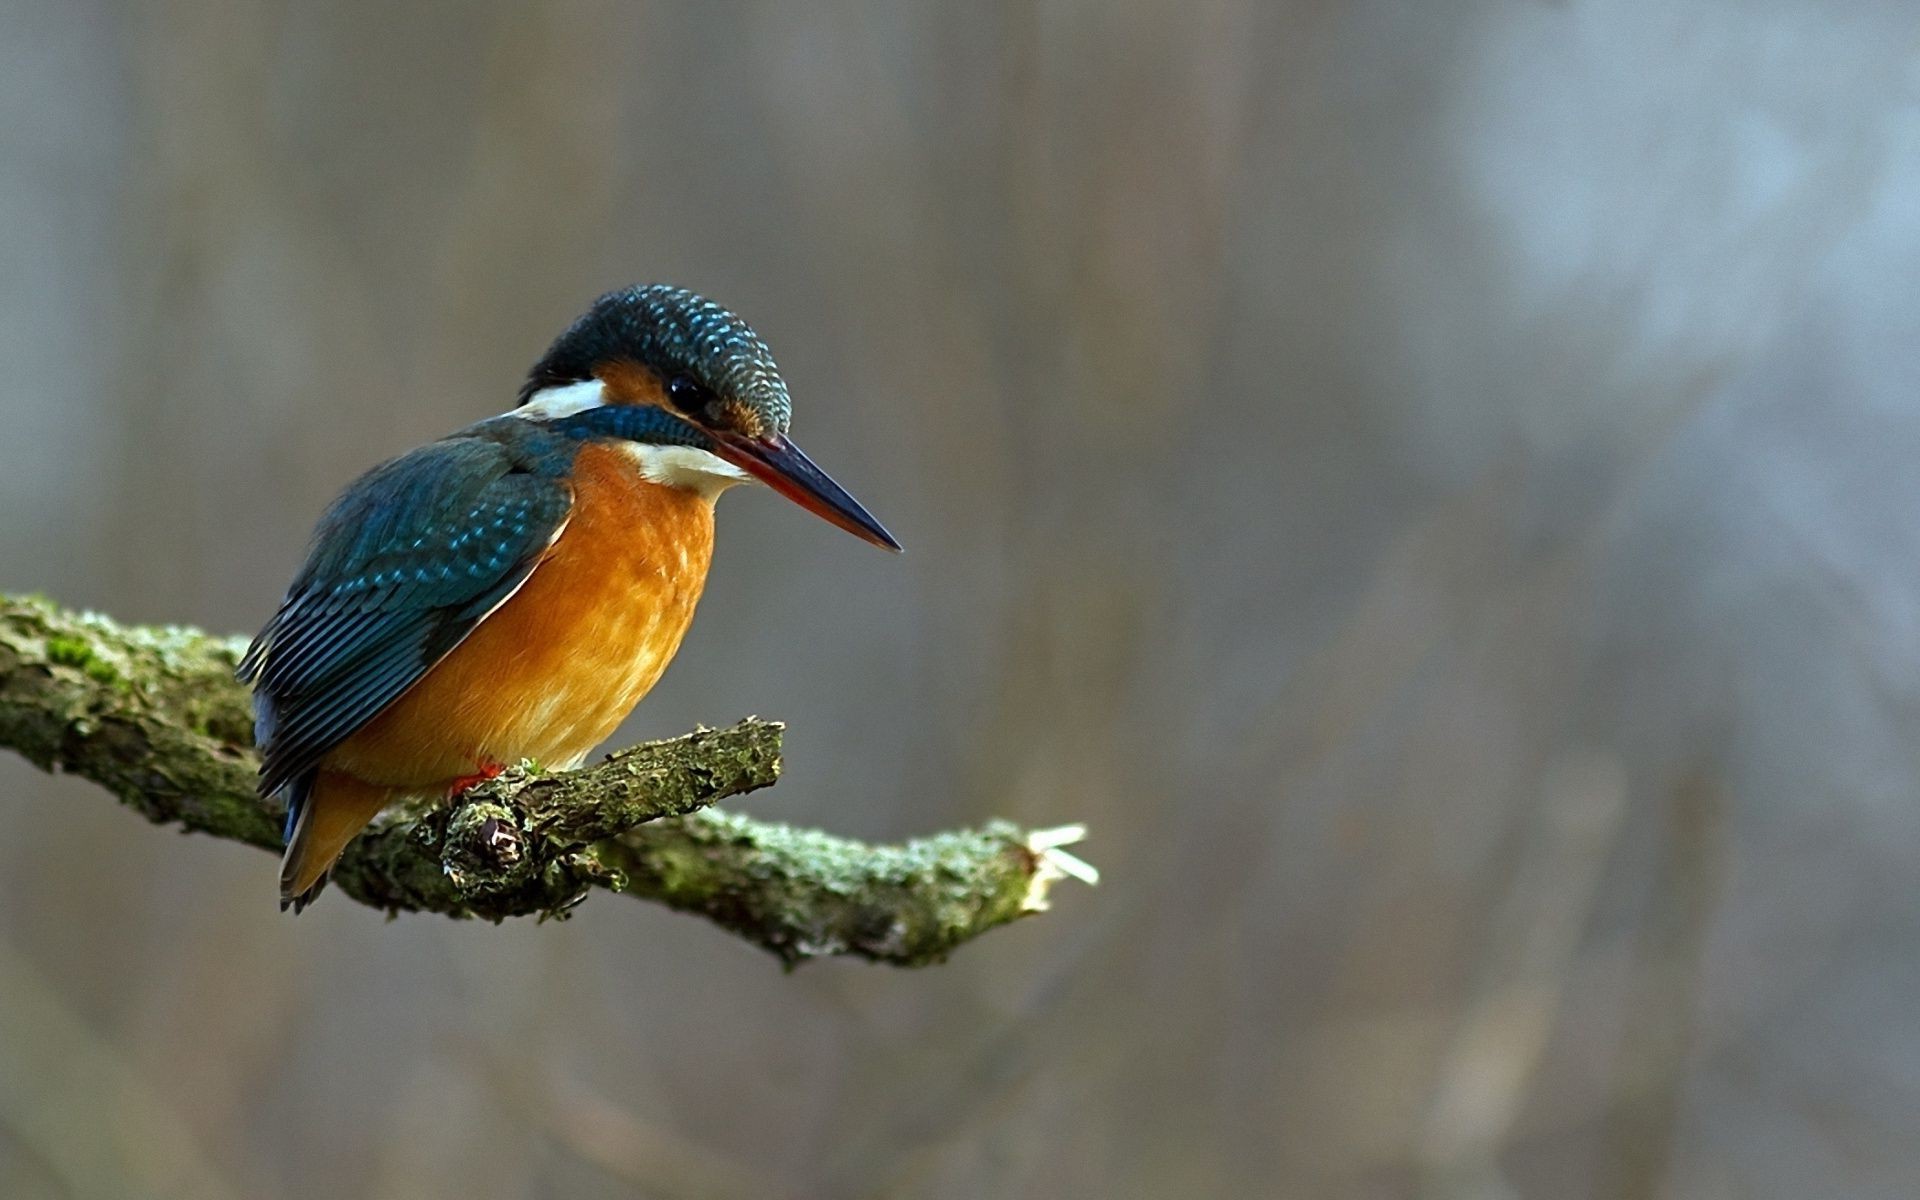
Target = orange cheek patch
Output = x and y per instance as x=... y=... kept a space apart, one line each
x=629 y=382
x=738 y=417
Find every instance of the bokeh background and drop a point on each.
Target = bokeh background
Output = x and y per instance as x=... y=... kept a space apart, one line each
x=1433 y=485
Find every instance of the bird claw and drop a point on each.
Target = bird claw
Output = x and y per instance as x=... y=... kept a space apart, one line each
x=466 y=783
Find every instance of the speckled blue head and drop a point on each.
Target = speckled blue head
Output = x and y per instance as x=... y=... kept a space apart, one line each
x=692 y=390
x=675 y=332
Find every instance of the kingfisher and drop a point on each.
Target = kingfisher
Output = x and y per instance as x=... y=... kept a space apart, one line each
x=512 y=590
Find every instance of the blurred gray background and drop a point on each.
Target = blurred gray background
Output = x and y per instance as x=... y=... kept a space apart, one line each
x=1433 y=485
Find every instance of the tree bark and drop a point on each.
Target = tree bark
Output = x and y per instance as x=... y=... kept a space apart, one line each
x=155 y=716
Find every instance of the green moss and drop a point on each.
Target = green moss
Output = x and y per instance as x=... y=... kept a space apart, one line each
x=69 y=651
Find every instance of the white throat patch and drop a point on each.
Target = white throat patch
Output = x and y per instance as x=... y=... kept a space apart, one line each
x=686 y=467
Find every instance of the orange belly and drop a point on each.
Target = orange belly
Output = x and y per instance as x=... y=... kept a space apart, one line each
x=553 y=670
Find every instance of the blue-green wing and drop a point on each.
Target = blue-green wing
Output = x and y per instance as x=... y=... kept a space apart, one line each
x=404 y=565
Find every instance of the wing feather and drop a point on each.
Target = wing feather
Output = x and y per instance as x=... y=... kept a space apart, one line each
x=403 y=567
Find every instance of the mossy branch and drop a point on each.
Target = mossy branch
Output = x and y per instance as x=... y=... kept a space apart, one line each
x=154 y=716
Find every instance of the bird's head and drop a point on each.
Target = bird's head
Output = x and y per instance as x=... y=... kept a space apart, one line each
x=695 y=393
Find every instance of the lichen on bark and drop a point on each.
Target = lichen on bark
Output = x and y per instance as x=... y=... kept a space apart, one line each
x=155 y=716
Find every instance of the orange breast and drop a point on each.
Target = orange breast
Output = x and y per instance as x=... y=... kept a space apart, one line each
x=554 y=669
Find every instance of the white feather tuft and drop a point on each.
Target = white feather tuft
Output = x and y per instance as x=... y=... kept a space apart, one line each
x=550 y=404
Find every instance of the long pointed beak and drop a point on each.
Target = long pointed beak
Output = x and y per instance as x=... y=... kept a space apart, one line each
x=780 y=465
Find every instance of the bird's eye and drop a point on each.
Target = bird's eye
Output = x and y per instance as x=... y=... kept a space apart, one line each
x=685 y=393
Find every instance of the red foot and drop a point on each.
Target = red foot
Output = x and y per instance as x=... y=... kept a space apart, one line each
x=488 y=770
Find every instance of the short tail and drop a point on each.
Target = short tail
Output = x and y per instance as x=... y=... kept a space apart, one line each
x=324 y=812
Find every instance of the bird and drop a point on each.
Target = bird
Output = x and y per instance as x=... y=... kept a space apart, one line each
x=511 y=591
